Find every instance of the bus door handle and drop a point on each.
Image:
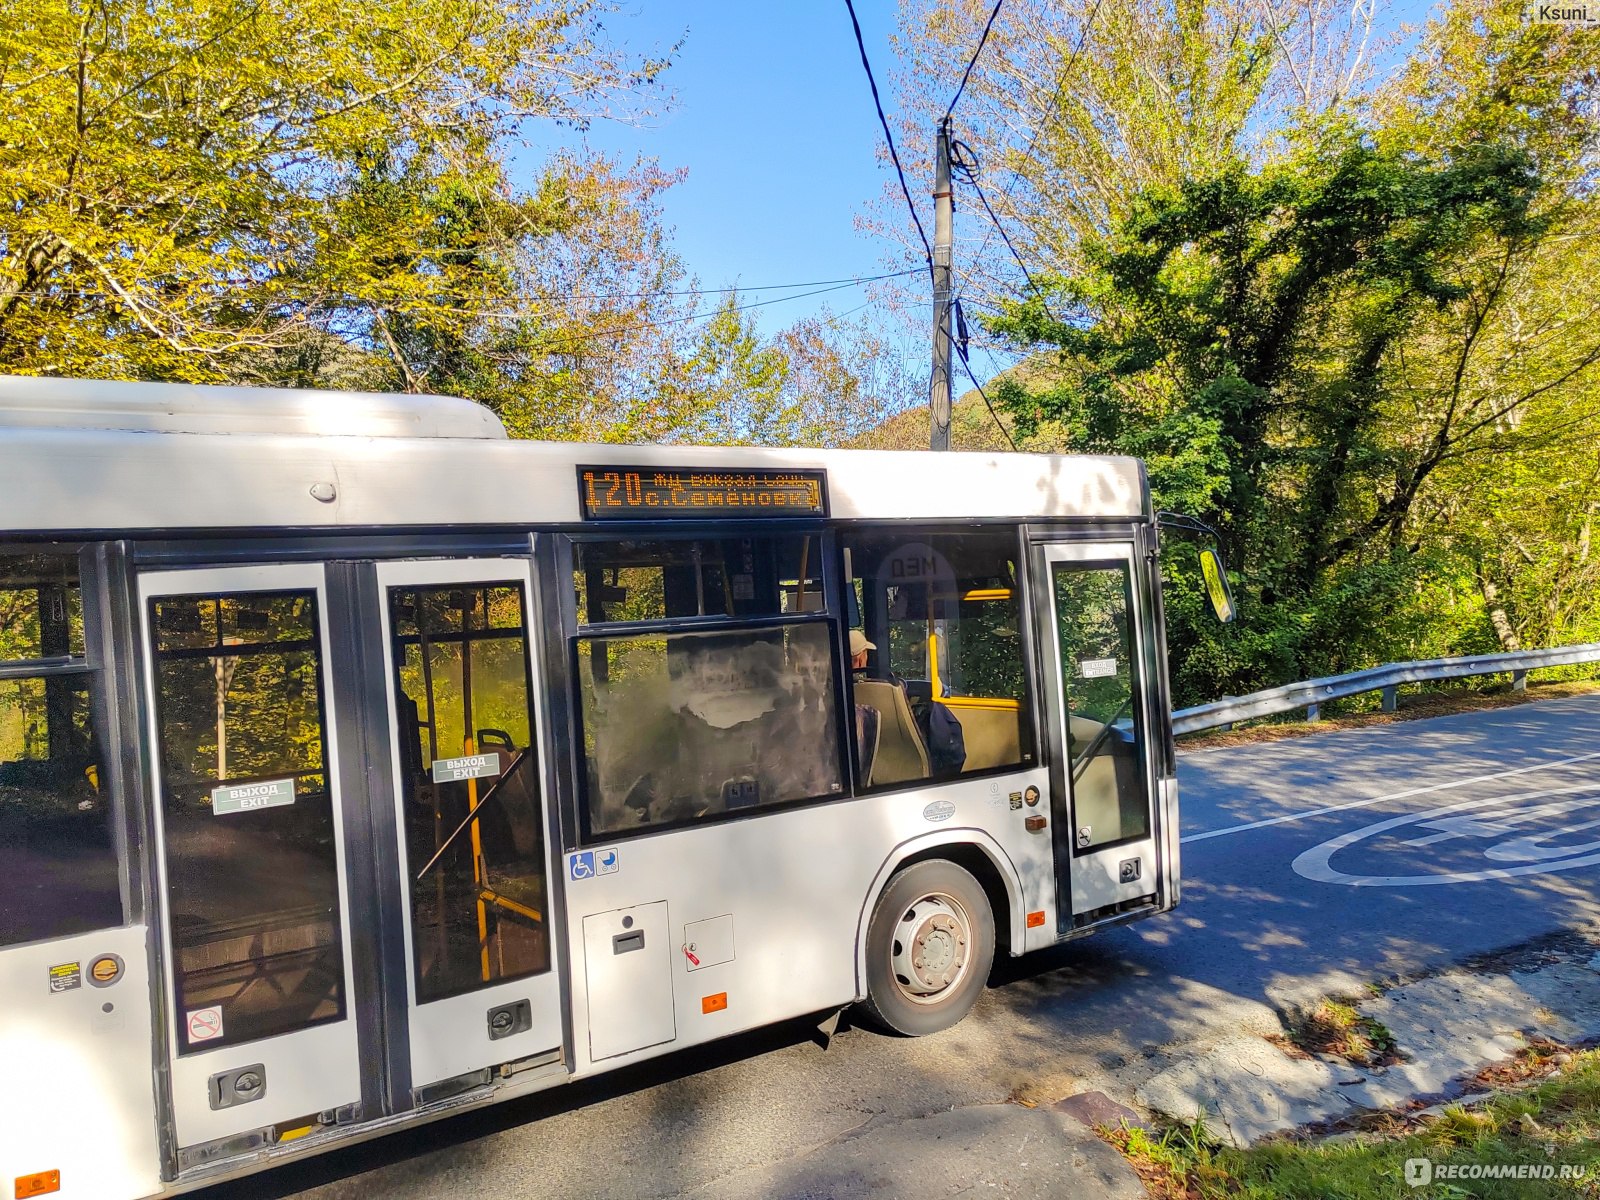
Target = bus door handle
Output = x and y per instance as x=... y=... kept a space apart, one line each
x=624 y=942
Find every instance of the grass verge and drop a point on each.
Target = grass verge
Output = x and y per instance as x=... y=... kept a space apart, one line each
x=1553 y=1121
x=1336 y=1028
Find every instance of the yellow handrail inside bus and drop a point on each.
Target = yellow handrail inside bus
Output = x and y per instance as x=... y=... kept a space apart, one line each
x=995 y=703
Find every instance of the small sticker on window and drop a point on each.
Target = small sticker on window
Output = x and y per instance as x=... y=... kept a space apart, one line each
x=244 y=797
x=205 y=1024
x=1097 y=668
x=65 y=976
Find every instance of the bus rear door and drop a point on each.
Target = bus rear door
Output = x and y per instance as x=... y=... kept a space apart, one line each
x=352 y=847
x=471 y=819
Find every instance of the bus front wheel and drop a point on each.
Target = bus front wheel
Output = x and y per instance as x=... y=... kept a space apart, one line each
x=930 y=945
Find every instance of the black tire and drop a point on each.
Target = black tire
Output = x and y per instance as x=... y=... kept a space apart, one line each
x=940 y=902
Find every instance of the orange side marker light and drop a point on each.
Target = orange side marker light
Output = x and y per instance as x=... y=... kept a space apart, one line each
x=40 y=1183
x=711 y=1004
x=1035 y=919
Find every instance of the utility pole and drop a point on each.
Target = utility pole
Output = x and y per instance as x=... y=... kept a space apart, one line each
x=943 y=236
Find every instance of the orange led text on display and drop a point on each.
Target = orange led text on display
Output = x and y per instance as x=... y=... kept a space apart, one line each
x=607 y=493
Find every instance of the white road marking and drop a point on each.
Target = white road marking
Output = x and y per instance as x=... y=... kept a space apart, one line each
x=1485 y=824
x=1316 y=863
x=1416 y=791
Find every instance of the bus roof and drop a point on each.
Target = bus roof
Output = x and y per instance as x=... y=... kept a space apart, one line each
x=126 y=458
x=40 y=403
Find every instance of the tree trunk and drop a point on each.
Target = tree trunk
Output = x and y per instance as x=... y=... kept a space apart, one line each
x=1497 y=613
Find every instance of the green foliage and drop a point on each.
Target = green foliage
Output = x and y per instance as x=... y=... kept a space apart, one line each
x=739 y=382
x=190 y=186
x=1332 y=358
x=323 y=194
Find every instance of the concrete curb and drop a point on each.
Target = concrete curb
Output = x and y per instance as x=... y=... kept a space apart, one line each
x=1447 y=1027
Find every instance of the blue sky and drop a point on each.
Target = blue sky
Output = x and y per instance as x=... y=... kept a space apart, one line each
x=774 y=122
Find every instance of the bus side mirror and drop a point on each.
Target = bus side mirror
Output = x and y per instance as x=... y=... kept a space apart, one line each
x=1216 y=579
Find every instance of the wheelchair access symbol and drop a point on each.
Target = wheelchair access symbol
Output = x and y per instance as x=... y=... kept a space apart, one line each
x=586 y=864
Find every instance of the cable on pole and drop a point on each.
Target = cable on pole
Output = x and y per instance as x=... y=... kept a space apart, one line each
x=732 y=289
x=704 y=315
x=1006 y=238
x=973 y=61
x=961 y=353
x=894 y=156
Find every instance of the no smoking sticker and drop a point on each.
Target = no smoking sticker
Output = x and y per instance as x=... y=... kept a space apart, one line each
x=205 y=1024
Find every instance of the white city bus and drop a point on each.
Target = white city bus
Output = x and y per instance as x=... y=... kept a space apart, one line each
x=359 y=765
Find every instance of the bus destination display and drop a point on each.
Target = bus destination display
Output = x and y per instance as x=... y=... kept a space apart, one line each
x=655 y=493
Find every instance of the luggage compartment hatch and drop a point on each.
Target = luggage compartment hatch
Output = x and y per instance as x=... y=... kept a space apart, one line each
x=628 y=967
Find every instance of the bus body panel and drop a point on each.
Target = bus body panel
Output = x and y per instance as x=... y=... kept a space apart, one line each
x=76 y=1064
x=795 y=884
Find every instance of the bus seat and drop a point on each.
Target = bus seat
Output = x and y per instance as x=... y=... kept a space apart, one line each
x=1096 y=801
x=1082 y=731
x=1104 y=797
x=517 y=805
x=869 y=724
x=992 y=736
x=901 y=755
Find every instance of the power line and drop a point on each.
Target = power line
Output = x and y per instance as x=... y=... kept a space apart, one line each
x=1005 y=237
x=971 y=62
x=575 y=339
x=705 y=315
x=961 y=353
x=719 y=291
x=1066 y=74
x=889 y=137
x=826 y=284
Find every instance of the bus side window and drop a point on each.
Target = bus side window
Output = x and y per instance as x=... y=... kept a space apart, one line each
x=943 y=612
x=681 y=727
x=55 y=812
x=661 y=579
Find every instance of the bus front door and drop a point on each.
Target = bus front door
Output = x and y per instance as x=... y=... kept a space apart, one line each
x=1104 y=810
x=470 y=819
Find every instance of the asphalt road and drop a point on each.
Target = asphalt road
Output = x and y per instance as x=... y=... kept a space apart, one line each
x=1311 y=866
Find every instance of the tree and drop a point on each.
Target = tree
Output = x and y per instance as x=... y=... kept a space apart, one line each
x=1318 y=352
x=733 y=384
x=1077 y=107
x=844 y=380
x=253 y=189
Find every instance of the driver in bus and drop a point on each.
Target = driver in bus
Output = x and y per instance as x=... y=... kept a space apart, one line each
x=859 y=648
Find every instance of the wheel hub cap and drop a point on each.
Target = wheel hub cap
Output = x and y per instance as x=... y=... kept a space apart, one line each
x=931 y=947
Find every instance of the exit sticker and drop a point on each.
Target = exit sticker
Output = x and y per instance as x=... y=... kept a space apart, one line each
x=246 y=797
x=64 y=977
x=471 y=766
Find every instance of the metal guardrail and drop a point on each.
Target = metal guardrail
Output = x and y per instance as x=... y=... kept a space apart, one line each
x=1311 y=693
